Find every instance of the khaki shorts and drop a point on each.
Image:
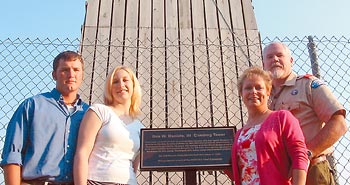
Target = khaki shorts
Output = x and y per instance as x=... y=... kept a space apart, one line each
x=320 y=174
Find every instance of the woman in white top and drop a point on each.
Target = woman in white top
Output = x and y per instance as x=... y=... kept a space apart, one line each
x=109 y=135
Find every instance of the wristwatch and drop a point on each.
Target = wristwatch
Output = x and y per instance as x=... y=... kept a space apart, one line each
x=309 y=154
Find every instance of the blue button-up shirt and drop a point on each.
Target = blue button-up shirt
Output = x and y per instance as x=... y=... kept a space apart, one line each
x=41 y=137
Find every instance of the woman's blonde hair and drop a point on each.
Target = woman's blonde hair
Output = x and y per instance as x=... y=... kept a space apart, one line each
x=255 y=71
x=134 y=109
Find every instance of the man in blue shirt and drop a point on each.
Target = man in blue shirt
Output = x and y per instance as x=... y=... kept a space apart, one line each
x=41 y=135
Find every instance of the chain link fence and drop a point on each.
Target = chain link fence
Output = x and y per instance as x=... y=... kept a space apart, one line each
x=26 y=65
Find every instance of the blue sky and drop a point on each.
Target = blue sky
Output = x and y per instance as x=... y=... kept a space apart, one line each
x=41 y=18
x=63 y=19
x=302 y=17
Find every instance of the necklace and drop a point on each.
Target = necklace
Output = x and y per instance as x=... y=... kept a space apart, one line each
x=126 y=118
x=258 y=119
x=70 y=103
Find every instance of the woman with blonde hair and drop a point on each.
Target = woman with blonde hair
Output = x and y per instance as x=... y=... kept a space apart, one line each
x=109 y=136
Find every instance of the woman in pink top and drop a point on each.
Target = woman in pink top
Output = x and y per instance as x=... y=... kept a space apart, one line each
x=270 y=148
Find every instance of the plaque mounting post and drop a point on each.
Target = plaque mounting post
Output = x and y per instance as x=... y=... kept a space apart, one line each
x=190 y=177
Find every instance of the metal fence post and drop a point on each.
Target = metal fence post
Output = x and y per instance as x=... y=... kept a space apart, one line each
x=316 y=72
x=313 y=57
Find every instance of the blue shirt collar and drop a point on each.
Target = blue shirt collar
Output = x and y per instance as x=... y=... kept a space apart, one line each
x=58 y=97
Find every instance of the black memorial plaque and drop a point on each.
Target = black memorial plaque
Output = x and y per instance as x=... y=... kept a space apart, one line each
x=180 y=149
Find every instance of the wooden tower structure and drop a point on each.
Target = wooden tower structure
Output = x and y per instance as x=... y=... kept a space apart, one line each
x=187 y=55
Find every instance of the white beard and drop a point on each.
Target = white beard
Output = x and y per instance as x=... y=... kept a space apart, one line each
x=277 y=72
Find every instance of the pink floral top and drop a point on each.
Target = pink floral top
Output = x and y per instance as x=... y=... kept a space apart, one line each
x=247 y=158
